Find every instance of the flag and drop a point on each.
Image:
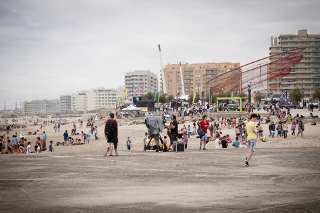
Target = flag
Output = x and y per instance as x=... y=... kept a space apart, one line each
x=126 y=93
x=194 y=96
x=210 y=97
x=135 y=94
x=231 y=94
x=238 y=93
x=123 y=97
x=155 y=95
x=138 y=87
x=159 y=96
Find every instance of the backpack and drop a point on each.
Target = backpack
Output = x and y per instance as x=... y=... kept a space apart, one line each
x=111 y=127
x=200 y=132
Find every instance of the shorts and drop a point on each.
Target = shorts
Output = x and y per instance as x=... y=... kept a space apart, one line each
x=238 y=134
x=112 y=139
x=204 y=138
x=252 y=144
x=65 y=138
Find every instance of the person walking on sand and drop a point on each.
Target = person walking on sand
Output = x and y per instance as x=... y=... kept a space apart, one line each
x=252 y=137
x=300 y=129
x=111 y=133
x=204 y=126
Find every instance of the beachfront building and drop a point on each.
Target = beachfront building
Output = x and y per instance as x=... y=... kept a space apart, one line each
x=306 y=74
x=44 y=106
x=65 y=103
x=97 y=98
x=140 y=82
x=195 y=77
x=28 y=108
x=79 y=101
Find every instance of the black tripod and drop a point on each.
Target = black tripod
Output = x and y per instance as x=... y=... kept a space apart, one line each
x=156 y=137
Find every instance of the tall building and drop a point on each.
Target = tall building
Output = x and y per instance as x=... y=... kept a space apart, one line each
x=41 y=106
x=65 y=103
x=306 y=74
x=28 y=108
x=97 y=98
x=195 y=76
x=143 y=81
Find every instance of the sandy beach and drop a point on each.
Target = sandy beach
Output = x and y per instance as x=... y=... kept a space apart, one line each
x=136 y=133
x=281 y=177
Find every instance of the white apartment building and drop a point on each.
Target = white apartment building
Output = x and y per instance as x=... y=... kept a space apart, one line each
x=28 y=108
x=65 y=103
x=41 y=106
x=143 y=81
x=96 y=99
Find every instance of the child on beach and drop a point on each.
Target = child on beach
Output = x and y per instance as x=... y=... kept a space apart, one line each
x=293 y=129
x=243 y=142
x=51 y=149
x=217 y=141
x=29 y=147
x=38 y=148
x=185 y=139
x=224 y=142
x=189 y=131
x=236 y=143
x=279 y=129
x=128 y=141
x=145 y=141
x=165 y=144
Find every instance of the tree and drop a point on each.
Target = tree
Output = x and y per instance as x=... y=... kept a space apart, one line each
x=149 y=95
x=259 y=97
x=207 y=97
x=196 y=99
x=296 y=95
x=241 y=94
x=316 y=95
x=170 y=98
x=162 y=98
x=224 y=94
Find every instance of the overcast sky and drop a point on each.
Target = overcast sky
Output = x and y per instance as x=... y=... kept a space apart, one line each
x=53 y=48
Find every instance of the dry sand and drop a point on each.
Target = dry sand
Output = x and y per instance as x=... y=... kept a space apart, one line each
x=80 y=179
x=136 y=133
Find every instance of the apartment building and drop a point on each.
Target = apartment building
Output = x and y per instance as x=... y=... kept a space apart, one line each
x=65 y=103
x=195 y=76
x=142 y=81
x=41 y=106
x=306 y=74
x=96 y=98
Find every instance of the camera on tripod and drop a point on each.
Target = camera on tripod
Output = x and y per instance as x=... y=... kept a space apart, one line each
x=155 y=126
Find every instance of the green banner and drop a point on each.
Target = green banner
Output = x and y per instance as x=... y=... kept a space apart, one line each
x=123 y=97
x=194 y=96
x=158 y=98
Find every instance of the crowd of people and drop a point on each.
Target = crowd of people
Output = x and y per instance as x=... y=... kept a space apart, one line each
x=19 y=143
x=206 y=129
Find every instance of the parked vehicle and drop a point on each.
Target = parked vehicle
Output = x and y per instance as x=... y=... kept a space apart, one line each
x=315 y=103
